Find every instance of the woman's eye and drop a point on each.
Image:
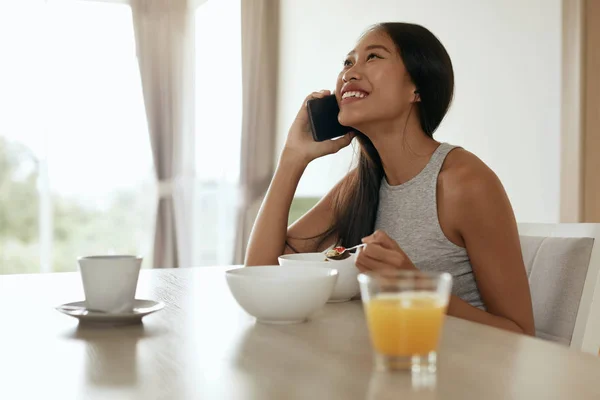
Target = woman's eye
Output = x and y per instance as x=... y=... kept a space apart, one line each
x=347 y=63
x=372 y=56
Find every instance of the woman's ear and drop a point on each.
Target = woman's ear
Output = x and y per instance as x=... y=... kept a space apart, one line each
x=417 y=98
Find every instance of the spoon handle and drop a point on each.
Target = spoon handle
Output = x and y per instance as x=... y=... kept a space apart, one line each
x=358 y=246
x=348 y=249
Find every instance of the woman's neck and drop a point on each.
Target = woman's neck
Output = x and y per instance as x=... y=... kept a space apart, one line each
x=404 y=149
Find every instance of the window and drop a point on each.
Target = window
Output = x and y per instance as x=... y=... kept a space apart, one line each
x=76 y=174
x=218 y=125
x=300 y=206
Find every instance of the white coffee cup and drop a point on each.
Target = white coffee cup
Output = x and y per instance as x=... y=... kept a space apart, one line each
x=109 y=282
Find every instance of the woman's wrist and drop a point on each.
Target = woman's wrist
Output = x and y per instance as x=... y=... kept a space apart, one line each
x=293 y=159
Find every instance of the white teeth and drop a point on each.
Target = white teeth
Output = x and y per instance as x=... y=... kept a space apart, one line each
x=360 y=95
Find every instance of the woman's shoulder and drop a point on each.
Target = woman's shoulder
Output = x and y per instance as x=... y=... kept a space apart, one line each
x=465 y=178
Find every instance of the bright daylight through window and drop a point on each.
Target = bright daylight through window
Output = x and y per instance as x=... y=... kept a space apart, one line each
x=76 y=174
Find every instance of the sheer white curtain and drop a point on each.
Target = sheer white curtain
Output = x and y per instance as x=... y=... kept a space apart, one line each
x=76 y=175
x=218 y=125
x=260 y=30
x=164 y=40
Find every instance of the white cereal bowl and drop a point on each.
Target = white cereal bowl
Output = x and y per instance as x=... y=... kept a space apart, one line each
x=277 y=295
x=347 y=283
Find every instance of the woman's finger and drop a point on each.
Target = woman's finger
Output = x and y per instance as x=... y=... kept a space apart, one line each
x=361 y=267
x=372 y=265
x=338 y=144
x=383 y=239
x=317 y=95
x=376 y=253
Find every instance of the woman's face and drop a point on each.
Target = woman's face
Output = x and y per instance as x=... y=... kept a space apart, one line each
x=373 y=86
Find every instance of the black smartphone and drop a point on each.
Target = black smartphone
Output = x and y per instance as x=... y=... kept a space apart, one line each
x=323 y=117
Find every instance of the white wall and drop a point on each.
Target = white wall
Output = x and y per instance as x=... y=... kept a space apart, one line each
x=506 y=56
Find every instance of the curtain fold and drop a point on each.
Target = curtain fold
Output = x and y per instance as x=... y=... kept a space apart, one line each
x=260 y=32
x=164 y=40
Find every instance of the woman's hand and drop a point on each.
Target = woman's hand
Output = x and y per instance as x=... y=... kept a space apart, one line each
x=382 y=252
x=300 y=143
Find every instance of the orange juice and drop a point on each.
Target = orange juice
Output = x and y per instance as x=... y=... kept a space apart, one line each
x=406 y=323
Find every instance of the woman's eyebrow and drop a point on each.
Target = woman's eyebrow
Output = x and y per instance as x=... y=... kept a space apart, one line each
x=372 y=47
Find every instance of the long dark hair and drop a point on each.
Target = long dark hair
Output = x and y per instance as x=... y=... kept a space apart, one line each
x=429 y=66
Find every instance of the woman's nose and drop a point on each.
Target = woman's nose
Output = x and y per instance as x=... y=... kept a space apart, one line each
x=351 y=74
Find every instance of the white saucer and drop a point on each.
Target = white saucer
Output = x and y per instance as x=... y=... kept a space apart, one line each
x=141 y=308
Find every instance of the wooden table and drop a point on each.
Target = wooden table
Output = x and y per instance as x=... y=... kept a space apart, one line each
x=203 y=346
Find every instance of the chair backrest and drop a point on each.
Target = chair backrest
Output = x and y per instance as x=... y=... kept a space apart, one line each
x=563 y=266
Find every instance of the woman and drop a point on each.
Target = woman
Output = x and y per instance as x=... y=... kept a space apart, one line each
x=432 y=206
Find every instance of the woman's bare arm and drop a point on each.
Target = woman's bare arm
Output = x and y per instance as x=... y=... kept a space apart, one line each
x=473 y=203
x=271 y=234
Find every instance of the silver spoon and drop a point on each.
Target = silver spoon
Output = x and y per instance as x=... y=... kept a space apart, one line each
x=334 y=254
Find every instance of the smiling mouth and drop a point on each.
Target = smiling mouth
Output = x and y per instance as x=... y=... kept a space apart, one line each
x=354 y=94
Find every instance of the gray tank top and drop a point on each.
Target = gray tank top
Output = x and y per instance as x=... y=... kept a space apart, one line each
x=408 y=214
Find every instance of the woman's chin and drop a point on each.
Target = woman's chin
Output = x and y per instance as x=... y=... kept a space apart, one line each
x=348 y=119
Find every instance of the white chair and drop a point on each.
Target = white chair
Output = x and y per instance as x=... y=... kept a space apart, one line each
x=565 y=291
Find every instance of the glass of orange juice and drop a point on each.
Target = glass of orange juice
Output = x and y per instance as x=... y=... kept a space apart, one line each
x=405 y=313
